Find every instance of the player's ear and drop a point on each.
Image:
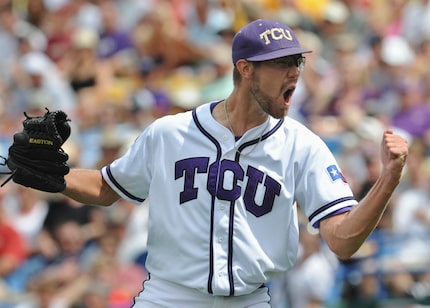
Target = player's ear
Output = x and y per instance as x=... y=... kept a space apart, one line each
x=245 y=68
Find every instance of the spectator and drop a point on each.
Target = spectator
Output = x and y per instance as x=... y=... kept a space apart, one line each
x=43 y=85
x=13 y=252
x=91 y=220
x=81 y=66
x=58 y=25
x=27 y=211
x=411 y=226
x=124 y=279
x=72 y=259
x=414 y=113
x=203 y=22
x=15 y=30
x=113 y=39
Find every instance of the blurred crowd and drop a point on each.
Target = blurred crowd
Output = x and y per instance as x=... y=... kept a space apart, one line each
x=116 y=65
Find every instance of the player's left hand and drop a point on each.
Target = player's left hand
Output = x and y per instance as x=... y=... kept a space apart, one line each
x=36 y=158
x=394 y=151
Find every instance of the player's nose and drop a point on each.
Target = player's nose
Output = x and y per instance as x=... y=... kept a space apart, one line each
x=293 y=72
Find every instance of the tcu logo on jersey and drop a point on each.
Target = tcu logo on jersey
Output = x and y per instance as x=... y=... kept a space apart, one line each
x=275 y=34
x=226 y=187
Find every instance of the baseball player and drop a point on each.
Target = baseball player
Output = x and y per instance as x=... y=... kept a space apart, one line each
x=224 y=182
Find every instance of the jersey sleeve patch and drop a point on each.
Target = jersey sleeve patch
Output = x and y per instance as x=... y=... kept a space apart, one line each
x=335 y=174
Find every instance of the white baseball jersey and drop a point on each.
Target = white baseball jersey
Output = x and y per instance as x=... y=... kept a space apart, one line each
x=222 y=215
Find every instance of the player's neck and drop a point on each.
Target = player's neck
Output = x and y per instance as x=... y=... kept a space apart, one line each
x=238 y=117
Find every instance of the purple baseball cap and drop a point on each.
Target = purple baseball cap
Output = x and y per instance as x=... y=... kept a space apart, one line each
x=262 y=40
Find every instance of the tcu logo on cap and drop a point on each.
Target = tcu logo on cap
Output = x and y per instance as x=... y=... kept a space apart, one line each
x=275 y=34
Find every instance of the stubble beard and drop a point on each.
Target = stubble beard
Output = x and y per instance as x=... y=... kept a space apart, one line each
x=266 y=102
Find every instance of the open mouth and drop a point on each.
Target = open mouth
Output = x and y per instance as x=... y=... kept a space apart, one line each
x=288 y=94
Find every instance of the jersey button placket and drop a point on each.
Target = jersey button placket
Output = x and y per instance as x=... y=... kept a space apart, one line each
x=228 y=146
x=220 y=248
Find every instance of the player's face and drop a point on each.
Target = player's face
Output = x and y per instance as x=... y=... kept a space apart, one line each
x=274 y=83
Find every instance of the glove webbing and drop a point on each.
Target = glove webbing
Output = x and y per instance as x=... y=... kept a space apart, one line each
x=12 y=173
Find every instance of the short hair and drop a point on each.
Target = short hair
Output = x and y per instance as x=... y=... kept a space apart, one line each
x=236 y=76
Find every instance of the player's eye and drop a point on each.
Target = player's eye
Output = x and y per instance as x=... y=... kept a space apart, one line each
x=288 y=62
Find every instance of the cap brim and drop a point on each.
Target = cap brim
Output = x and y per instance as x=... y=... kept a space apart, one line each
x=279 y=54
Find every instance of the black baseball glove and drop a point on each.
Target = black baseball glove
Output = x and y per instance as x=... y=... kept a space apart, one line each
x=36 y=158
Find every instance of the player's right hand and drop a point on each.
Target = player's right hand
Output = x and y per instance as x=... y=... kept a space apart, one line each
x=394 y=152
